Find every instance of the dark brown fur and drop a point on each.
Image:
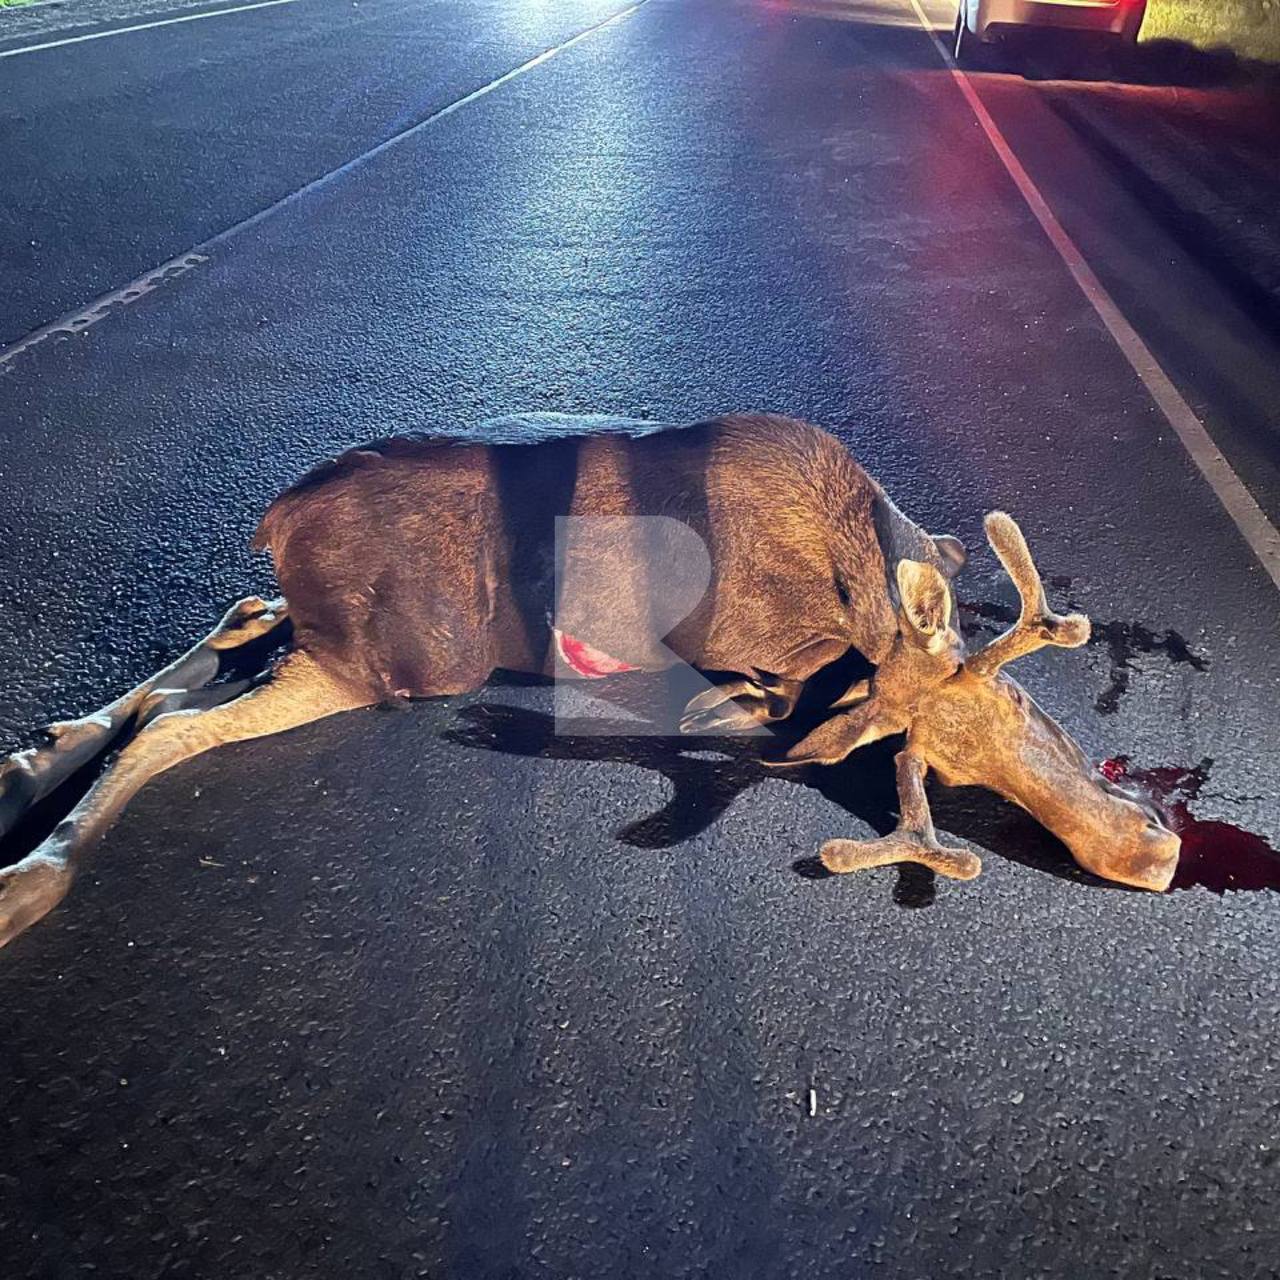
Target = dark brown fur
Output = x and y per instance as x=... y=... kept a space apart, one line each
x=414 y=568
x=424 y=565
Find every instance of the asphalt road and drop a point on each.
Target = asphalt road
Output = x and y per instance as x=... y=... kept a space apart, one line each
x=445 y=994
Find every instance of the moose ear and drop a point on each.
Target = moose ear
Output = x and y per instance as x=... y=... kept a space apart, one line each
x=925 y=597
x=952 y=552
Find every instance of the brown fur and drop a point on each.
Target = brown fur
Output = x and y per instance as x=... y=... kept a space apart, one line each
x=422 y=566
x=975 y=726
x=416 y=567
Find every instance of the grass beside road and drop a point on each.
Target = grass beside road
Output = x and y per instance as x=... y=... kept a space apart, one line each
x=1251 y=28
x=13 y=4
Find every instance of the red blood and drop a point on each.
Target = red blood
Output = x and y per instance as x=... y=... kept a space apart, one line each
x=1215 y=855
x=587 y=661
x=1114 y=770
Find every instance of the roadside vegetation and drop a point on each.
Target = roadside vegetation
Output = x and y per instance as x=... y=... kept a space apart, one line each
x=1251 y=28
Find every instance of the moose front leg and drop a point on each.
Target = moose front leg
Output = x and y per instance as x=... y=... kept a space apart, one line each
x=915 y=839
x=26 y=777
x=741 y=704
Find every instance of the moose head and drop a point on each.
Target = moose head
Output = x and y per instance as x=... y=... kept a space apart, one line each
x=976 y=726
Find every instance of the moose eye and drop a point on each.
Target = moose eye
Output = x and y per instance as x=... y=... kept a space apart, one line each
x=842 y=592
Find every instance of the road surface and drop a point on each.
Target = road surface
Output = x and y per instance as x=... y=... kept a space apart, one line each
x=444 y=994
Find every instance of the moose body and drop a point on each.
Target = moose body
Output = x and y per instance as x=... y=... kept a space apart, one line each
x=419 y=567
x=415 y=568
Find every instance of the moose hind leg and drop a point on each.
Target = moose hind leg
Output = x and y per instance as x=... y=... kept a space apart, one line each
x=26 y=777
x=298 y=692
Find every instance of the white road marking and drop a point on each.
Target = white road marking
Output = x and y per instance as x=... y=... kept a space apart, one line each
x=1261 y=535
x=141 y=26
x=101 y=308
x=91 y=313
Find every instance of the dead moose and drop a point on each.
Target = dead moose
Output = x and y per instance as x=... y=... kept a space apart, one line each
x=415 y=568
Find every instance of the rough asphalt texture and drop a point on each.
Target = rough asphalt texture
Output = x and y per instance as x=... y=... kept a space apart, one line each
x=443 y=994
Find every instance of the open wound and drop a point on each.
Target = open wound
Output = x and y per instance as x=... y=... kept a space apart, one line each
x=587 y=661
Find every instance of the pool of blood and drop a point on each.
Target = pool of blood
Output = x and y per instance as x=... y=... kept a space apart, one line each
x=1215 y=855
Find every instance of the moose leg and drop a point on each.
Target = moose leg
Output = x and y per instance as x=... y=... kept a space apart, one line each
x=161 y=702
x=741 y=704
x=299 y=691
x=26 y=777
x=915 y=839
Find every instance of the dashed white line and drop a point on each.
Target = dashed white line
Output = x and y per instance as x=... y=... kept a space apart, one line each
x=101 y=308
x=1258 y=531
x=91 y=313
x=141 y=26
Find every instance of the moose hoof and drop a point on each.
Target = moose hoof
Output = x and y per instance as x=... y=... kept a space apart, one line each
x=28 y=890
x=249 y=607
x=729 y=718
x=718 y=710
x=246 y=621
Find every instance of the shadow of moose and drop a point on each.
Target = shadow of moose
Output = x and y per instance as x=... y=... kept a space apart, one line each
x=706 y=775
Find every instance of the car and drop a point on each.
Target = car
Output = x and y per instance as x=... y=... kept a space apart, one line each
x=980 y=23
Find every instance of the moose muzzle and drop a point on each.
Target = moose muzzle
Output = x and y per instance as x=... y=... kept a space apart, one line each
x=1114 y=833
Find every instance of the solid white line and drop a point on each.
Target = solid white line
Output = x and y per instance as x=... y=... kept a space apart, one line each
x=80 y=319
x=1261 y=535
x=140 y=26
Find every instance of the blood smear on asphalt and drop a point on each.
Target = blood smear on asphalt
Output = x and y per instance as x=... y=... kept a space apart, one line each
x=1215 y=855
